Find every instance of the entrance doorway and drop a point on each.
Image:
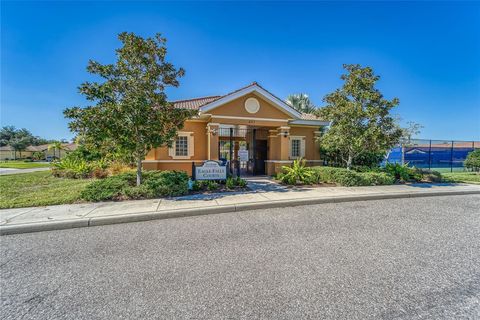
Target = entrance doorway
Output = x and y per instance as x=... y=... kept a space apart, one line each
x=260 y=155
x=244 y=149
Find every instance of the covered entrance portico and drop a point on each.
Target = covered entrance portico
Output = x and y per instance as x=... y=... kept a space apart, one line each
x=244 y=149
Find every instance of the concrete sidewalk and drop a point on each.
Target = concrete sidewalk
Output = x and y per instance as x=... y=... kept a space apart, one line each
x=268 y=195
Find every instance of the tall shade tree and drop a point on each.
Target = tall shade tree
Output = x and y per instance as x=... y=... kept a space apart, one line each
x=10 y=135
x=131 y=111
x=360 y=117
x=301 y=102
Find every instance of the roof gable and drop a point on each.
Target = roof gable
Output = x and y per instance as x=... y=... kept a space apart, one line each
x=258 y=90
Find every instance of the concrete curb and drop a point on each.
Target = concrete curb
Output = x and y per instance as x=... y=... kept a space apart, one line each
x=178 y=213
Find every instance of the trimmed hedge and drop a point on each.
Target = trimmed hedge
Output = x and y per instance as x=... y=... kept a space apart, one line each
x=123 y=186
x=350 y=178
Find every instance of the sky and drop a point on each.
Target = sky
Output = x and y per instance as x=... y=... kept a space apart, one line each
x=426 y=53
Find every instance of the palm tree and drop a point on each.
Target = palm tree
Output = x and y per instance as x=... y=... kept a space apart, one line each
x=57 y=145
x=301 y=102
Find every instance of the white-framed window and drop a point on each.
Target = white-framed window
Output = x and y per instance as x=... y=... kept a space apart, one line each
x=297 y=147
x=183 y=146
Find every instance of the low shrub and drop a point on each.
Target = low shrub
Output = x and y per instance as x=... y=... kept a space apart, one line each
x=405 y=173
x=111 y=188
x=166 y=183
x=76 y=165
x=376 y=178
x=350 y=178
x=427 y=175
x=212 y=185
x=237 y=182
x=197 y=185
x=297 y=173
x=327 y=174
x=230 y=183
x=398 y=171
x=472 y=161
x=70 y=167
x=123 y=186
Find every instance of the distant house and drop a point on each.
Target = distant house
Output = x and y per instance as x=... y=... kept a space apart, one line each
x=8 y=153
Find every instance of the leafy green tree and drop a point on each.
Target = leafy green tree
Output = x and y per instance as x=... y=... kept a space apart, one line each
x=360 y=117
x=18 y=139
x=473 y=160
x=10 y=134
x=7 y=133
x=411 y=130
x=20 y=143
x=131 y=111
x=301 y=102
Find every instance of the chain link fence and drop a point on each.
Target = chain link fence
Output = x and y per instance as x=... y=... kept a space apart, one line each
x=439 y=155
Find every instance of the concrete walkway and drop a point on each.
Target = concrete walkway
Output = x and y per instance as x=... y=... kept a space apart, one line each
x=264 y=194
x=5 y=171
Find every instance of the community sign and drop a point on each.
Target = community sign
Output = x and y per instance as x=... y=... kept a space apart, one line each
x=211 y=170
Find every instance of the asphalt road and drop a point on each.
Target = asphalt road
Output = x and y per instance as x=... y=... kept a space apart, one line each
x=392 y=259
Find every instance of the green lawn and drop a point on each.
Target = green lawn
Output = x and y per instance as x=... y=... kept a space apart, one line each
x=23 y=165
x=467 y=177
x=38 y=189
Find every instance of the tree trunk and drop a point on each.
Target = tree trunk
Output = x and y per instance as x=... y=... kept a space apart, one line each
x=139 y=171
x=349 y=161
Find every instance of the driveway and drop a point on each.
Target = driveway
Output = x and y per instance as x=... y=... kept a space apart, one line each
x=5 y=171
x=416 y=258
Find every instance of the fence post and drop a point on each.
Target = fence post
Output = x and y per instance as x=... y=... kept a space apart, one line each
x=231 y=150
x=451 y=158
x=430 y=156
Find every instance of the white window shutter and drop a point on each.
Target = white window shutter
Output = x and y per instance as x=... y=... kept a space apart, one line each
x=191 y=146
x=302 y=148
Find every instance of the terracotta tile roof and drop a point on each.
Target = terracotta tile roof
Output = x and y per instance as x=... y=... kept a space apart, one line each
x=194 y=104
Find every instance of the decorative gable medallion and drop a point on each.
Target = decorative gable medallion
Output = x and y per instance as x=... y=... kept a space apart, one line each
x=252 y=105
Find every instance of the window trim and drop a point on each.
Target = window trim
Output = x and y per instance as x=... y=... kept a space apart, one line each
x=177 y=147
x=190 y=146
x=301 y=147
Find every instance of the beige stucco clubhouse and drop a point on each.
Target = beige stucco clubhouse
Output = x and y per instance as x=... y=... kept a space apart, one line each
x=251 y=128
